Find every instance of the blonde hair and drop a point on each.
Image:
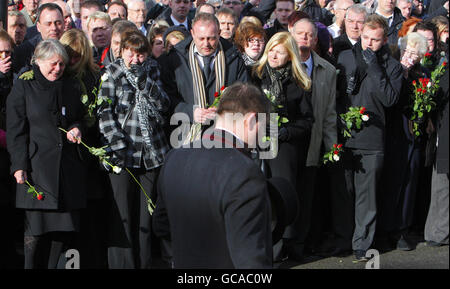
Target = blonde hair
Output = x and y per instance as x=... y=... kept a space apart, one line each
x=75 y=41
x=174 y=34
x=99 y=15
x=441 y=23
x=251 y=19
x=298 y=72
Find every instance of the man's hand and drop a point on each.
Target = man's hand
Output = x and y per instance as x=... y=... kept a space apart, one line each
x=201 y=115
x=5 y=65
x=370 y=57
x=21 y=176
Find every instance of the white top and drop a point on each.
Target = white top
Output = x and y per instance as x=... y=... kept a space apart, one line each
x=176 y=23
x=334 y=30
x=390 y=18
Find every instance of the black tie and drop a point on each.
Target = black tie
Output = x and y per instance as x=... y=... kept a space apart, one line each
x=207 y=66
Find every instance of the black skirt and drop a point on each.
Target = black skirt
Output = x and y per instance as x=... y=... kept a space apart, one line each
x=39 y=222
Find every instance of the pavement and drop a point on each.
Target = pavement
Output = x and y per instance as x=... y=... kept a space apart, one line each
x=422 y=257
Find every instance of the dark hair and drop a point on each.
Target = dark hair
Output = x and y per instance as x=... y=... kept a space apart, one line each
x=120 y=4
x=135 y=41
x=292 y=1
x=243 y=98
x=92 y=3
x=227 y=11
x=427 y=26
x=47 y=6
x=296 y=16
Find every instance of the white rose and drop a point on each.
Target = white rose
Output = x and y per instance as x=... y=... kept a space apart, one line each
x=117 y=169
x=104 y=77
x=336 y=158
x=365 y=117
x=429 y=84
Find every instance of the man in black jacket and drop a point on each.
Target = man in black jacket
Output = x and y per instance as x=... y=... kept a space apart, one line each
x=393 y=16
x=354 y=20
x=217 y=214
x=371 y=78
x=283 y=10
x=198 y=67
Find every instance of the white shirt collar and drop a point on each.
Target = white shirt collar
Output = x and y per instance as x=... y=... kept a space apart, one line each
x=200 y=57
x=176 y=23
x=353 y=42
x=390 y=17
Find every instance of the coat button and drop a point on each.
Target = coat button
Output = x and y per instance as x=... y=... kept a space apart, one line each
x=59 y=144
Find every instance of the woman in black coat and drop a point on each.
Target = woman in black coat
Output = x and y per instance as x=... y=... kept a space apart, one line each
x=280 y=74
x=41 y=102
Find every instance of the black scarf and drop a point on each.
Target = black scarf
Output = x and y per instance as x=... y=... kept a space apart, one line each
x=54 y=89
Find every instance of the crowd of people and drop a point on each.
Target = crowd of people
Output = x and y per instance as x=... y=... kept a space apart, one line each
x=88 y=90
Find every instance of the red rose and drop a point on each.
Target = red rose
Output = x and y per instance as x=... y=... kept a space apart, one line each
x=222 y=88
x=336 y=152
x=339 y=146
x=424 y=91
x=335 y=146
x=414 y=82
x=363 y=109
x=216 y=94
x=40 y=197
x=419 y=90
x=427 y=54
x=444 y=63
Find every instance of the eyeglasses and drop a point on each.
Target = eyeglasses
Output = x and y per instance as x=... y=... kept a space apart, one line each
x=184 y=1
x=232 y=3
x=256 y=40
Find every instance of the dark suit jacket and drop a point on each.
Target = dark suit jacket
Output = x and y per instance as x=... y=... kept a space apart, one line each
x=340 y=44
x=217 y=212
x=176 y=74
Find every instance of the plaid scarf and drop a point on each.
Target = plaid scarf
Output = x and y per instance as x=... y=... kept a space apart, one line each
x=199 y=86
x=145 y=91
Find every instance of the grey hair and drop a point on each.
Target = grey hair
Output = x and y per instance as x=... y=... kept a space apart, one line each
x=415 y=39
x=407 y=1
x=15 y=13
x=49 y=48
x=212 y=2
x=99 y=15
x=358 y=9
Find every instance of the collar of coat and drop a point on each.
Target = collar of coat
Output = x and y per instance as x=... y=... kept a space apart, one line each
x=230 y=51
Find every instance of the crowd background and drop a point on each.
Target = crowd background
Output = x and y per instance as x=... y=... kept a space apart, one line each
x=153 y=58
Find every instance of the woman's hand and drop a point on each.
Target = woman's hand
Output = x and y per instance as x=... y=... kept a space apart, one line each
x=203 y=114
x=21 y=176
x=74 y=135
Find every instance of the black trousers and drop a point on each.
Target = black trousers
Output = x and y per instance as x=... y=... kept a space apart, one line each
x=365 y=175
x=129 y=221
x=342 y=199
x=47 y=251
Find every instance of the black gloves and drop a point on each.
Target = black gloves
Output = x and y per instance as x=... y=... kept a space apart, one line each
x=283 y=134
x=370 y=57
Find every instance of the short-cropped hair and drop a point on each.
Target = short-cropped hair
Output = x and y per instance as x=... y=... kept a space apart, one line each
x=243 y=98
x=206 y=17
x=99 y=15
x=47 y=6
x=376 y=21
